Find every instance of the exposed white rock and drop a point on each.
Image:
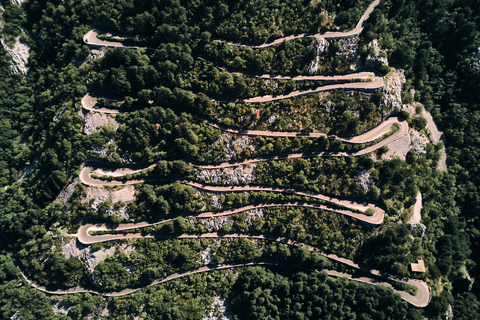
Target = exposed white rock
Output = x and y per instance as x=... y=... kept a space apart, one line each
x=419 y=142
x=252 y=215
x=348 y=46
x=243 y=174
x=94 y=120
x=233 y=147
x=366 y=181
x=375 y=61
x=19 y=56
x=19 y=2
x=218 y=310
x=67 y=192
x=400 y=147
x=394 y=82
x=215 y=223
x=15 y=317
x=476 y=63
x=419 y=229
x=215 y=200
x=90 y=257
x=101 y=194
x=321 y=45
x=206 y=254
x=449 y=313
x=272 y=119
x=62 y=307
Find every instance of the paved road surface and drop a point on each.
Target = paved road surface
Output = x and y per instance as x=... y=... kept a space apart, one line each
x=327 y=35
x=377 y=218
x=87 y=104
x=350 y=76
x=420 y=300
x=85 y=238
x=91 y=38
x=371 y=86
x=368 y=136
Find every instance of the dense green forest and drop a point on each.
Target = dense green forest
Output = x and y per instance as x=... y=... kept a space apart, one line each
x=435 y=42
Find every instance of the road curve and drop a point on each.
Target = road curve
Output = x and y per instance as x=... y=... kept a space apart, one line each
x=377 y=83
x=326 y=35
x=91 y=39
x=87 y=104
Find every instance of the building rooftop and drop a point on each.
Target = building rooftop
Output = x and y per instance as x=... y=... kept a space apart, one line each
x=418 y=267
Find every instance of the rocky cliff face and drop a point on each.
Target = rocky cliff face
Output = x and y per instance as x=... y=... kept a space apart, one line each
x=18 y=56
x=394 y=82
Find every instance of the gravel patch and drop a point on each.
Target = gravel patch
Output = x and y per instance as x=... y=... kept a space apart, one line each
x=416 y=217
x=239 y=175
x=218 y=310
x=90 y=257
x=101 y=194
x=437 y=136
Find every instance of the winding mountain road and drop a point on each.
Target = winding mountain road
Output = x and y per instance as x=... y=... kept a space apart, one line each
x=369 y=136
x=420 y=300
x=326 y=35
x=371 y=86
x=374 y=133
x=83 y=233
x=351 y=76
x=375 y=219
x=91 y=37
